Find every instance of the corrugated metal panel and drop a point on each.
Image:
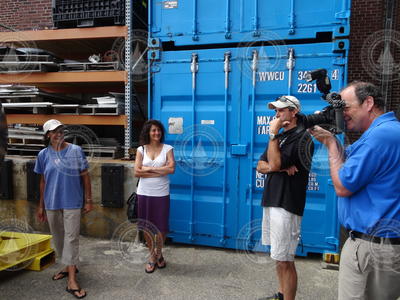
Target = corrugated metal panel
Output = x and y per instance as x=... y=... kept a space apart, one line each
x=198 y=22
x=213 y=104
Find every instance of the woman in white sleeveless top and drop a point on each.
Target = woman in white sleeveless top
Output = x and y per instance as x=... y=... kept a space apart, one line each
x=154 y=161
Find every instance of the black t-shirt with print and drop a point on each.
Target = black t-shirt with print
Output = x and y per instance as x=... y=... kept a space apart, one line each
x=280 y=189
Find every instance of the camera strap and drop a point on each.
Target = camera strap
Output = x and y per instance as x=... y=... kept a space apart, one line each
x=288 y=136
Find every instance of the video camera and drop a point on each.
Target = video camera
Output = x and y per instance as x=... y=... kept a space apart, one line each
x=331 y=117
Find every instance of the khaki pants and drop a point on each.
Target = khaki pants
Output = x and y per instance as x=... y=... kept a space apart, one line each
x=65 y=227
x=369 y=271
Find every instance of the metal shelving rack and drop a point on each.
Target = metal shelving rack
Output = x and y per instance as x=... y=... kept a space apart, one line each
x=128 y=84
x=68 y=81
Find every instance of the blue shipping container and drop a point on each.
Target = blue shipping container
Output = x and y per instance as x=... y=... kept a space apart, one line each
x=213 y=104
x=195 y=22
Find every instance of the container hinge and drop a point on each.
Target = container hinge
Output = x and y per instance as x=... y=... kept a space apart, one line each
x=340 y=45
x=155 y=69
x=155 y=29
x=343 y=14
x=332 y=240
x=339 y=61
x=154 y=54
x=154 y=43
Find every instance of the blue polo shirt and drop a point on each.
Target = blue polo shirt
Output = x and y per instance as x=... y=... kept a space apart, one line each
x=372 y=173
x=61 y=171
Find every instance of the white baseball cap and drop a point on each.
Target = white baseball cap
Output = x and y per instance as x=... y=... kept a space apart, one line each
x=285 y=101
x=51 y=125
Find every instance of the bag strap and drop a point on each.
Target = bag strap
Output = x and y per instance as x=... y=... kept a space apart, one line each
x=137 y=183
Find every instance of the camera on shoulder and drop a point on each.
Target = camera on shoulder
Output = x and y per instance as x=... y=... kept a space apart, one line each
x=331 y=117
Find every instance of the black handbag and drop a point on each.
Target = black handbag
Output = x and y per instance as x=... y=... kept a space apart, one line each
x=131 y=210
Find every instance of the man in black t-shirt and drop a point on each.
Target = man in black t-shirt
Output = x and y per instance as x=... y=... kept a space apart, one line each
x=286 y=161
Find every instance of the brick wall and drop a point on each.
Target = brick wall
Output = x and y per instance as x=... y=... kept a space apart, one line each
x=368 y=18
x=396 y=84
x=26 y=14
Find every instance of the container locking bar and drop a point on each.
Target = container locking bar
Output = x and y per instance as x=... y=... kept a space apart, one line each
x=194 y=68
x=227 y=67
x=290 y=65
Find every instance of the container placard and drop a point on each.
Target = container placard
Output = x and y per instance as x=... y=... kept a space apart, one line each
x=175 y=125
x=170 y=4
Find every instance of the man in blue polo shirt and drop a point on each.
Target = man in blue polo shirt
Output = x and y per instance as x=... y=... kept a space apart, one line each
x=367 y=180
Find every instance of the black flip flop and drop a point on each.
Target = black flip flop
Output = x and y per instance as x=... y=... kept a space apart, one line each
x=63 y=275
x=73 y=291
x=151 y=264
x=160 y=262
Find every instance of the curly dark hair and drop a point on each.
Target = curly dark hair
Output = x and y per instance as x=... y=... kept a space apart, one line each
x=144 y=138
x=364 y=89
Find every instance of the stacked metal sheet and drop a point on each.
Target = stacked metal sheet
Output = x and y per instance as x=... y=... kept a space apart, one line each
x=30 y=99
x=20 y=60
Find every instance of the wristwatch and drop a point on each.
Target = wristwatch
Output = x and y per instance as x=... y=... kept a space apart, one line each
x=272 y=136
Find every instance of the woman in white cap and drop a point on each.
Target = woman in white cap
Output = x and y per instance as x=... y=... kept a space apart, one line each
x=65 y=189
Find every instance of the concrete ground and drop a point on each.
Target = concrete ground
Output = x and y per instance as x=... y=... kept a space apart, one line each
x=114 y=269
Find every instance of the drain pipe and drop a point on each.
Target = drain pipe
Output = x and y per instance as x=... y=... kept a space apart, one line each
x=387 y=68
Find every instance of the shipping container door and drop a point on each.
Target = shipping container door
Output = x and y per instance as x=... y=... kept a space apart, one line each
x=270 y=72
x=195 y=95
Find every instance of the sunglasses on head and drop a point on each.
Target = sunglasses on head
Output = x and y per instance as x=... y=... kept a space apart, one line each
x=285 y=99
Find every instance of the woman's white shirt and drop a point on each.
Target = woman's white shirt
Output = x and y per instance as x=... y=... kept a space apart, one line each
x=156 y=186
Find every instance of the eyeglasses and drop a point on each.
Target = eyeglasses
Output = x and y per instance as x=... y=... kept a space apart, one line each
x=60 y=130
x=285 y=99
